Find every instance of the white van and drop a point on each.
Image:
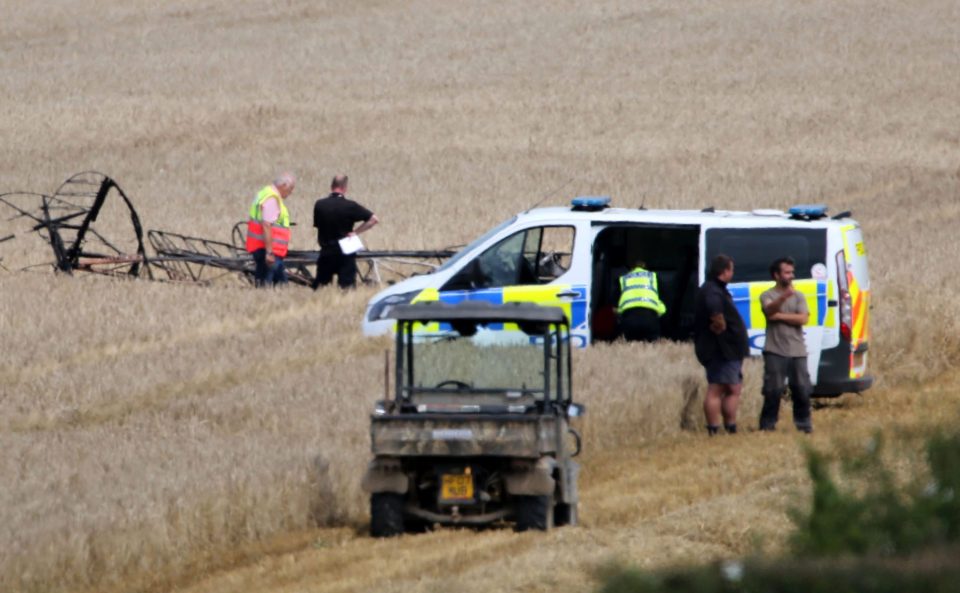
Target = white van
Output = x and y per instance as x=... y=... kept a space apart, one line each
x=573 y=258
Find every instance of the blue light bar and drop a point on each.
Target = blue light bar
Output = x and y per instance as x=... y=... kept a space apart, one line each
x=808 y=211
x=590 y=203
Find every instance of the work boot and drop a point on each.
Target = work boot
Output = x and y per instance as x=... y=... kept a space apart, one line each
x=713 y=430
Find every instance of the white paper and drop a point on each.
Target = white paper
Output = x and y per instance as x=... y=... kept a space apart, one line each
x=351 y=244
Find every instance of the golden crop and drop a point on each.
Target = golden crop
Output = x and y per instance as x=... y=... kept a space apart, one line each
x=154 y=432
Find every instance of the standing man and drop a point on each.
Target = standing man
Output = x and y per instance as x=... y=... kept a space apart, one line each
x=268 y=231
x=334 y=217
x=721 y=344
x=640 y=307
x=784 y=352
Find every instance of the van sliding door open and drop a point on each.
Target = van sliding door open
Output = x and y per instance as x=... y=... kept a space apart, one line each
x=670 y=251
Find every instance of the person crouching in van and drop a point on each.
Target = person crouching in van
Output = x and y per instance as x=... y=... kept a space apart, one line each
x=640 y=307
x=784 y=351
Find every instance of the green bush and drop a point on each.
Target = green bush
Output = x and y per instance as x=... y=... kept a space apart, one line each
x=872 y=536
x=883 y=519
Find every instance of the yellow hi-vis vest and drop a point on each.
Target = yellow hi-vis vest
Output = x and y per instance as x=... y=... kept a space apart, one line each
x=280 y=228
x=638 y=289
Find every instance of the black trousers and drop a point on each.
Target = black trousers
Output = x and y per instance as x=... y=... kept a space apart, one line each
x=333 y=261
x=777 y=372
x=640 y=325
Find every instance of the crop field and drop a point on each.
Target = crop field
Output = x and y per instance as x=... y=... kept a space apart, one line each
x=165 y=437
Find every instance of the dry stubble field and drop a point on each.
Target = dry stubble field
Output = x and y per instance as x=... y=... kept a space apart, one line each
x=160 y=437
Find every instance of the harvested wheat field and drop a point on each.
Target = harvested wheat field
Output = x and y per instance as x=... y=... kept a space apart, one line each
x=164 y=437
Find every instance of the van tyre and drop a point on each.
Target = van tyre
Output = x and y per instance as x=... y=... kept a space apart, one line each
x=386 y=514
x=565 y=514
x=533 y=512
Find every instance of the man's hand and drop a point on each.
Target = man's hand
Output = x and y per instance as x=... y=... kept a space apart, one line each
x=271 y=258
x=718 y=324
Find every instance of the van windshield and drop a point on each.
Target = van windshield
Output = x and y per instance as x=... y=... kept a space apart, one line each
x=476 y=243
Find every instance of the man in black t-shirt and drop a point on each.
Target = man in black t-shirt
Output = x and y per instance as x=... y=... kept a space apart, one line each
x=721 y=344
x=334 y=218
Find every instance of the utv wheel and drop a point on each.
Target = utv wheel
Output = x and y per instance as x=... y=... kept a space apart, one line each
x=565 y=514
x=533 y=512
x=386 y=514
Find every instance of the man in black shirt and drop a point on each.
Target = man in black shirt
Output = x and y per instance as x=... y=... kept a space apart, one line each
x=334 y=218
x=721 y=344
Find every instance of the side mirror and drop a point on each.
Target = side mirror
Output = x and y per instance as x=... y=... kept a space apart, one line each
x=576 y=410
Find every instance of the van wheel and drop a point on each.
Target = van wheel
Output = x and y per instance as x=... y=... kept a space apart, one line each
x=533 y=512
x=386 y=514
x=565 y=514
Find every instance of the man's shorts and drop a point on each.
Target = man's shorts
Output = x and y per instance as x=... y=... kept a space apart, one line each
x=725 y=372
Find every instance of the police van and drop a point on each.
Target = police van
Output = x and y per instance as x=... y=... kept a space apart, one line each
x=573 y=257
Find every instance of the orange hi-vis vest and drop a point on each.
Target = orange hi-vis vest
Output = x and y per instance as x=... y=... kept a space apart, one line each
x=280 y=229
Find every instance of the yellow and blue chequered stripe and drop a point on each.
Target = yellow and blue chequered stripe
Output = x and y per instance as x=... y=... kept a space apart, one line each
x=575 y=309
x=746 y=297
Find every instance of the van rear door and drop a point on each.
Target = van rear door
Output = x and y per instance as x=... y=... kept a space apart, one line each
x=855 y=298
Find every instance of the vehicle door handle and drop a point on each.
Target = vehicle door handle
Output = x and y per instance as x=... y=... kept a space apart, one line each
x=569 y=294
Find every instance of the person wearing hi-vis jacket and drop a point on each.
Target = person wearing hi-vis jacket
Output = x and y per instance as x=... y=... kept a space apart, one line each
x=640 y=307
x=268 y=231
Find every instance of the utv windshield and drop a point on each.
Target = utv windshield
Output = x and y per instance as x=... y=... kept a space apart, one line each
x=478 y=366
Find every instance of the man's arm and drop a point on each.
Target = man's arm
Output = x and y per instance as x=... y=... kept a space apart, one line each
x=367 y=224
x=268 y=228
x=718 y=324
x=772 y=306
x=714 y=305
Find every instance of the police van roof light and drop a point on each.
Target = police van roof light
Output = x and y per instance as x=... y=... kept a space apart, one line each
x=808 y=211
x=590 y=203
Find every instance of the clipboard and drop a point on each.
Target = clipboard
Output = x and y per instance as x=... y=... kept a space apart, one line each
x=350 y=244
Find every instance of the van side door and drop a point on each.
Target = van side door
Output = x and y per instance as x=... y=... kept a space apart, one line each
x=753 y=250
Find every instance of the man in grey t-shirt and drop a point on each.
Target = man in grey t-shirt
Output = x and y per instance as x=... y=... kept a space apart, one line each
x=784 y=352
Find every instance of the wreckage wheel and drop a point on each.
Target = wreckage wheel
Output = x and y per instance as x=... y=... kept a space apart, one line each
x=533 y=512
x=386 y=514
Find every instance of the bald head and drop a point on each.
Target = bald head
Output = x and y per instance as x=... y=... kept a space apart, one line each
x=285 y=183
x=339 y=184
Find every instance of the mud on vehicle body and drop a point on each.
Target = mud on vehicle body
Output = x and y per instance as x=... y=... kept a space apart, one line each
x=478 y=429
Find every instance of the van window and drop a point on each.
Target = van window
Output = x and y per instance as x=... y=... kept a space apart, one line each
x=753 y=250
x=476 y=242
x=532 y=256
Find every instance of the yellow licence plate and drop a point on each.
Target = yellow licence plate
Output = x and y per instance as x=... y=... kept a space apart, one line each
x=456 y=487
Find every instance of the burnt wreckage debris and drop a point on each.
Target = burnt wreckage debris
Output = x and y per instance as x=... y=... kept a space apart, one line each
x=66 y=220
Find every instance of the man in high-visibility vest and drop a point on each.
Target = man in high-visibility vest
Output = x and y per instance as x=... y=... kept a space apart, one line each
x=640 y=306
x=268 y=230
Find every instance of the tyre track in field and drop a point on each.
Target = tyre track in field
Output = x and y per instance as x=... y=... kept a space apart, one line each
x=629 y=501
x=684 y=498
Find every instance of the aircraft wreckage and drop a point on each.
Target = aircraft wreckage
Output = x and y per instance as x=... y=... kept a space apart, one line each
x=66 y=222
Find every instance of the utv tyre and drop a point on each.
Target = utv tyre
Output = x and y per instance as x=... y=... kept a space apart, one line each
x=533 y=512
x=386 y=514
x=565 y=514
